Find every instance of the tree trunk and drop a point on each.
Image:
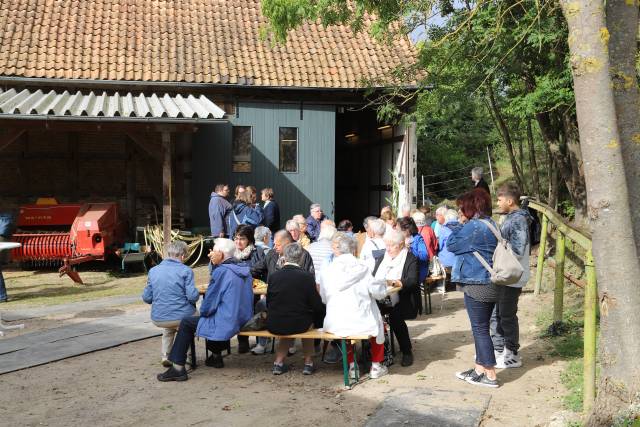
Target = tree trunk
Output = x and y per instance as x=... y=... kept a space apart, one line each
x=568 y=163
x=622 y=21
x=506 y=135
x=553 y=181
x=608 y=207
x=533 y=164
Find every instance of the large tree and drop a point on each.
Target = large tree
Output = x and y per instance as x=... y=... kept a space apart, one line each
x=600 y=142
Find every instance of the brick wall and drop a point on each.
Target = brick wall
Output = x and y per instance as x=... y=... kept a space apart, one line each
x=78 y=167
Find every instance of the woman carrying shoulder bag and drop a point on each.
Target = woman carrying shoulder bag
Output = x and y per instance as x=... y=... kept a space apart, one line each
x=471 y=235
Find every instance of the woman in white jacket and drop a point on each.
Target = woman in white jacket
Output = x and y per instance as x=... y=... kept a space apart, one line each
x=350 y=292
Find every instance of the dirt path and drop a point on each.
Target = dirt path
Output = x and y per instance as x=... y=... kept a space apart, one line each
x=118 y=386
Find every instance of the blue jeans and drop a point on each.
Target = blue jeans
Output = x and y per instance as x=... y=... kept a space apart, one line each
x=3 y=289
x=480 y=317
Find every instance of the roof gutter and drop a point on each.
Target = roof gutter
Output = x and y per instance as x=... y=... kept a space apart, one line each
x=122 y=119
x=174 y=85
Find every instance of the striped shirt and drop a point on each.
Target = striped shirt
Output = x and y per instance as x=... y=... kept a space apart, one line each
x=320 y=251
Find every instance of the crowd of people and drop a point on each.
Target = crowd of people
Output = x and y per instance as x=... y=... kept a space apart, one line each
x=320 y=275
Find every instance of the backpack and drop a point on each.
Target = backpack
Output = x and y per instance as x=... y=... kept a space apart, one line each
x=507 y=269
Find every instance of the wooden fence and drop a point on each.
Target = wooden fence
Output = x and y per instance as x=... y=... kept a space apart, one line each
x=583 y=239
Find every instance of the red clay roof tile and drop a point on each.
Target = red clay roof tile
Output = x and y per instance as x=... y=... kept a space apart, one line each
x=208 y=41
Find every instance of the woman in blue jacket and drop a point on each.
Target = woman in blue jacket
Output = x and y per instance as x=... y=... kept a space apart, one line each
x=172 y=293
x=244 y=210
x=415 y=241
x=471 y=235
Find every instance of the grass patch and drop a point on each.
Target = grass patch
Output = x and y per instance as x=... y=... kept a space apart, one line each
x=572 y=378
x=567 y=345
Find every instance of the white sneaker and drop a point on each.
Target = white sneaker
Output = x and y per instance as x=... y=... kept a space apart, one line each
x=378 y=371
x=259 y=349
x=499 y=355
x=352 y=371
x=509 y=360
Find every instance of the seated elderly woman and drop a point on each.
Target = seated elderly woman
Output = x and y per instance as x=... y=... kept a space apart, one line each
x=304 y=240
x=293 y=227
x=172 y=293
x=294 y=306
x=226 y=306
x=350 y=293
x=400 y=268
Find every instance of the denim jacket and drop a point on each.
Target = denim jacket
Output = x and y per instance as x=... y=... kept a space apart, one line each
x=463 y=241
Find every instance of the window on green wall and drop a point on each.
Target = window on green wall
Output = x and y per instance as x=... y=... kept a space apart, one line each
x=241 y=149
x=288 y=141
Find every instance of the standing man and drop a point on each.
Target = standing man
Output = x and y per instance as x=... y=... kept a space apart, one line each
x=315 y=218
x=478 y=180
x=505 y=330
x=270 y=210
x=219 y=208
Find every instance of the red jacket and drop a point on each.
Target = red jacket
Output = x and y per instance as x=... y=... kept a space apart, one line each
x=430 y=240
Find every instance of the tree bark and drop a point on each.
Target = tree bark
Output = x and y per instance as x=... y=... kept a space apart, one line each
x=622 y=22
x=533 y=164
x=553 y=181
x=506 y=135
x=608 y=208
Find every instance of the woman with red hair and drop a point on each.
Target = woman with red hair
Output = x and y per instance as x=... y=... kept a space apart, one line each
x=470 y=236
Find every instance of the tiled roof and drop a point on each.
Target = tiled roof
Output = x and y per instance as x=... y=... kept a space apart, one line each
x=198 y=41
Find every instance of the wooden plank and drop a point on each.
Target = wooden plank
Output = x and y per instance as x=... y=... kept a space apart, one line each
x=310 y=334
x=131 y=184
x=166 y=187
x=8 y=139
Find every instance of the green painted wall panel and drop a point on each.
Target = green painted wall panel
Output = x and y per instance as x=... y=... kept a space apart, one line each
x=314 y=181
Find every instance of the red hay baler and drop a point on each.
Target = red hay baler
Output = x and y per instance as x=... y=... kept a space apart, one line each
x=67 y=234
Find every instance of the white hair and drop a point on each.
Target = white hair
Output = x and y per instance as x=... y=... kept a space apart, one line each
x=292 y=224
x=345 y=244
x=477 y=172
x=419 y=218
x=378 y=227
x=367 y=220
x=327 y=231
x=226 y=246
x=299 y=218
x=314 y=206
x=395 y=237
x=451 y=215
x=442 y=210
x=176 y=249
x=260 y=233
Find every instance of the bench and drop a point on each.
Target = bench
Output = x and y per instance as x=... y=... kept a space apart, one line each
x=319 y=334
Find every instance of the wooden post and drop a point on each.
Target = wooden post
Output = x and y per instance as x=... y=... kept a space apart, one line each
x=541 y=249
x=166 y=188
x=131 y=185
x=558 y=293
x=590 y=325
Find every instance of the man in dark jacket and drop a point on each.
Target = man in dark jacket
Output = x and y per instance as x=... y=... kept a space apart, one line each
x=6 y=230
x=274 y=259
x=315 y=218
x=478 y=180
x=294 y=305
x=219 y=208
x=270 y=211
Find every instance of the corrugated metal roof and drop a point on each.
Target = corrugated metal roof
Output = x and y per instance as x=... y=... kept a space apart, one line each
x=100 y=105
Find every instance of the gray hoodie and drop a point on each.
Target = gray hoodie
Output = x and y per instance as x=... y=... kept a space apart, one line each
x=515 y=229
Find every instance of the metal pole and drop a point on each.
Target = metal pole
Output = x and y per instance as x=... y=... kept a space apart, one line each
x=493 y=189
x=590 y=325
x=166 y=189
x=422 y=190
x=541 y=249
x=558 y=293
